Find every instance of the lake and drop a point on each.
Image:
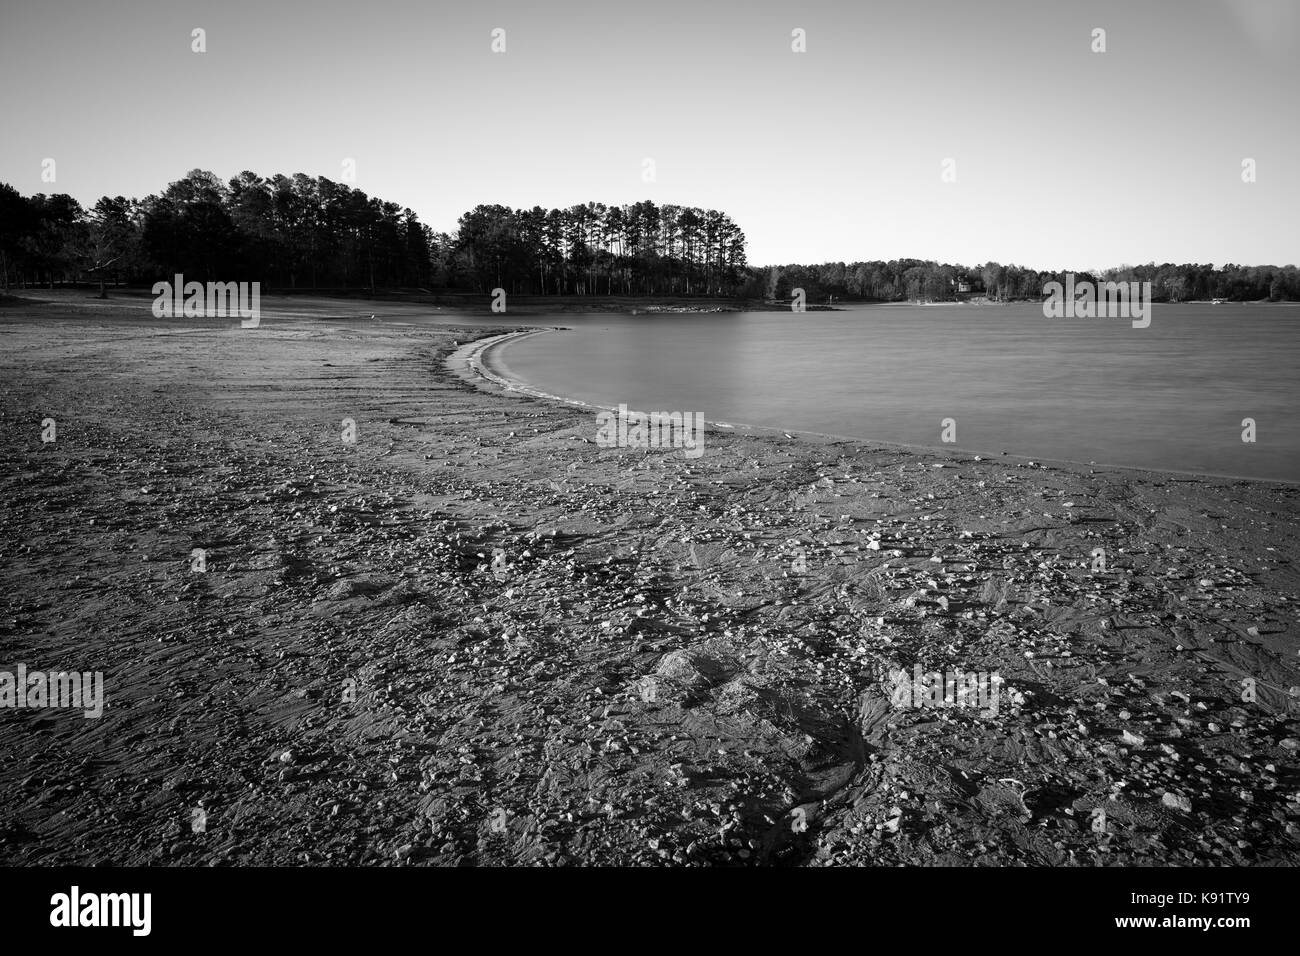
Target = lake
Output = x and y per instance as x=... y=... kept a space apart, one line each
x=1171 y=396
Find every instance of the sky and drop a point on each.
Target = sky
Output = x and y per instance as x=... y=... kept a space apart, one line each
x=1062 y=157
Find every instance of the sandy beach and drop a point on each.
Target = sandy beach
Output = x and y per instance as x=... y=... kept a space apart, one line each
x=472 y=636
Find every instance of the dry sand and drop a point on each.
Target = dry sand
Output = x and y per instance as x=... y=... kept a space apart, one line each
x=475 y=637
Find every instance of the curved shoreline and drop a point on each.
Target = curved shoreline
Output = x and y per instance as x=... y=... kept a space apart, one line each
x=666 y=633
x=473 y=362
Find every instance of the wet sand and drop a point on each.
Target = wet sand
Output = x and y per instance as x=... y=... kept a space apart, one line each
x=474 y=637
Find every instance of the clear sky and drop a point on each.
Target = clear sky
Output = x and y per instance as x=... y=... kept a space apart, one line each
x=1064 y=158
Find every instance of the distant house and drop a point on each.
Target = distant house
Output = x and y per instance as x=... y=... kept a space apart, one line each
x=963 y=287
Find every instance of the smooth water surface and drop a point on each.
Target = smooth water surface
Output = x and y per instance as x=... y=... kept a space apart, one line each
x=1171 y=396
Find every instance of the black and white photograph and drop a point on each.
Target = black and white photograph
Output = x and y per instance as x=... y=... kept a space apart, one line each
x=641 y=436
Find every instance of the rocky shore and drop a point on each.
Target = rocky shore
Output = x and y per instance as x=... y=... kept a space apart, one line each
x=471 y=636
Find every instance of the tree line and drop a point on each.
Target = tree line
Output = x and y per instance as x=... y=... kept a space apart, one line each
x=914 y=280
x=286 y=232
x=303 y=233
x=591 y=249
x=299 y=232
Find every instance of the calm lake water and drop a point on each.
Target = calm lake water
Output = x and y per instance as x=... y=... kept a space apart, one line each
x=1171 y=396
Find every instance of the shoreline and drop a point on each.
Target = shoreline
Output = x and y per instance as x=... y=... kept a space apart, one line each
x=477 y=356
x=472 y=637
x=300 y=303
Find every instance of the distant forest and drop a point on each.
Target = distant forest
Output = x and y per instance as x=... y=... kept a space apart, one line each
x=904 y=280
x=300 y=233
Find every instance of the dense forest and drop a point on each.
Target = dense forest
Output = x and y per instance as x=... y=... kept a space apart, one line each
x=300 y=233
x=641 y=249
x=284 y=232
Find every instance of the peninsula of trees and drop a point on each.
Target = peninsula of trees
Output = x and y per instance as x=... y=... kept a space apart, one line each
x=304 y=233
